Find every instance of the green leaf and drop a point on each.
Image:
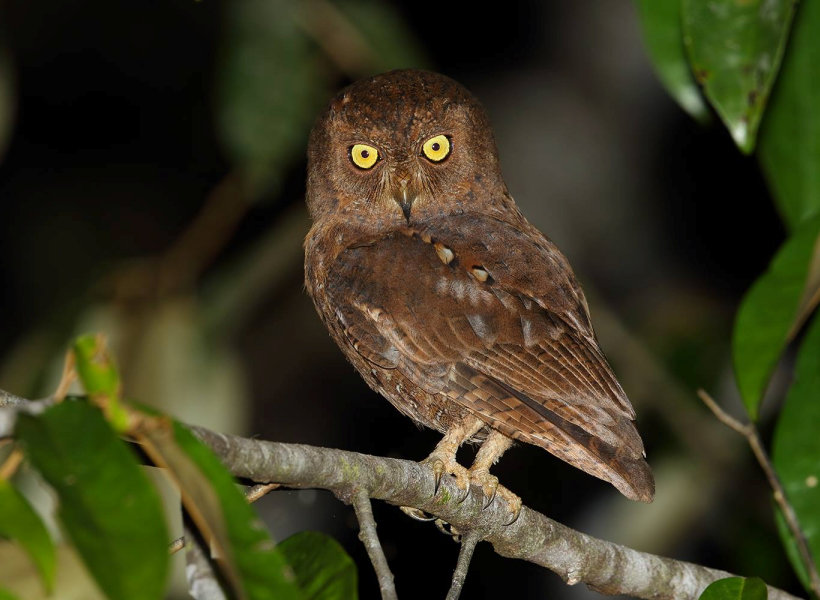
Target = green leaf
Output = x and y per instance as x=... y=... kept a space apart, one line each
x=6 y=595
x=790 y=137
x=19 y=522
x=773 y=310
x=736 y=588
x=796 y=445
x=108 y=506
x=100 y=377
x=735 y=49
x=790 y=545
x=251 y=563
x=324 y=571
x=663 y=36
x=270 y=86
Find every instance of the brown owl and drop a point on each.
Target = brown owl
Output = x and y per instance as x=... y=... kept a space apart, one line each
x=445 y=298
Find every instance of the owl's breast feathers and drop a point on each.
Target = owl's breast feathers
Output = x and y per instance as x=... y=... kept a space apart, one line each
x=474 y=309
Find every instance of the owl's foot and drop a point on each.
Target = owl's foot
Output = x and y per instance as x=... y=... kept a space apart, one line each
x=443 y=464
x=491 y=488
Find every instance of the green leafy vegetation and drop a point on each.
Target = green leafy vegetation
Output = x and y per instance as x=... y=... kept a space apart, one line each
x=735 y=588
x=323 y=569
x=105 y=498
x=20 y=523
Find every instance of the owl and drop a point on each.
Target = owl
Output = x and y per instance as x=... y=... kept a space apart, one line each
x=445 y=299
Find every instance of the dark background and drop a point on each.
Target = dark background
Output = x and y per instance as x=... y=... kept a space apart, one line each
x=114 y=149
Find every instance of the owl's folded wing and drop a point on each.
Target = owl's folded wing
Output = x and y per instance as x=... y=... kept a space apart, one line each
x=499 y=328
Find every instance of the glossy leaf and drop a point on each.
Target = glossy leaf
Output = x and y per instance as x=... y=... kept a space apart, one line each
x=736 y=588
x=735 y=49
x=109 y=508
x=252 y=565
x=773 y=310
x=19 y=522
x=324 y=571
x=663 y=36
x=790 y=137
x=270 y=88
x=796 y=445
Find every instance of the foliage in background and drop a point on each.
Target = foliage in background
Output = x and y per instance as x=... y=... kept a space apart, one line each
x=756 y=64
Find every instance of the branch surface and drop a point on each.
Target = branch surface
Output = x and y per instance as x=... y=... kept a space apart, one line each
x=576 y=557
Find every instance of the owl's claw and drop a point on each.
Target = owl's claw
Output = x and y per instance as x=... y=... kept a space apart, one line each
x=438 y=470
x=491 y=488
x=417 y=514
x=442 y=465
x=516 y=510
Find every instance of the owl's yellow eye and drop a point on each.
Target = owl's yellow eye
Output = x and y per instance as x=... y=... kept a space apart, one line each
x=437 y=148
x=364 y=156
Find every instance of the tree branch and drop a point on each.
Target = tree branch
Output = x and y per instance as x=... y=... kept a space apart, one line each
x=368 y=536
x=576 y=557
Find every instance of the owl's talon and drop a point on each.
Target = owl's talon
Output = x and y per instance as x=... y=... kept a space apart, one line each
x=516 y=510
x=417 y=514
x=492 y=496
x=465 y=496
x=449 y=466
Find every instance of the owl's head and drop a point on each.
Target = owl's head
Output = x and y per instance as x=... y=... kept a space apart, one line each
x=402 y=147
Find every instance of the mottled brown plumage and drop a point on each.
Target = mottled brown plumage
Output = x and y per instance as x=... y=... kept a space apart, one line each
x=444 y=297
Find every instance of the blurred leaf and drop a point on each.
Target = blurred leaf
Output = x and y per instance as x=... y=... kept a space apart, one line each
x=252 y=564
x=736 y=588
x=796 y=445
x=663 y=35
x=20 y=523
x=270 y=87
x=96 y=369
x=389 y=44
x=324 y=571
x=735 y=49
x=791 y=547
x=100 y=377
x=773 y=310
x=790 y=136
x=6 y=595
x=107 y=504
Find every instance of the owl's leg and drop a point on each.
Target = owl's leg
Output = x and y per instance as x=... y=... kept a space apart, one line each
x=491 y=450
x=443 y=458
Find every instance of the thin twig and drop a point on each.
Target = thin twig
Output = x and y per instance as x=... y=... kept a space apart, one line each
x=465 y=554
x=177 y=545
x=68 y=376
x=723 y=416
x=252 y=494
x=750 y=433
x=202 y=582
x=9 y=466
x=255 y=492
x=370 y=539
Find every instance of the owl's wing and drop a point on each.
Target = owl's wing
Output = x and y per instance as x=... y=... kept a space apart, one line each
x=492 y=317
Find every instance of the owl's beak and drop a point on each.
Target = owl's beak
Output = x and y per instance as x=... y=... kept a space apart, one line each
x=405 y=197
